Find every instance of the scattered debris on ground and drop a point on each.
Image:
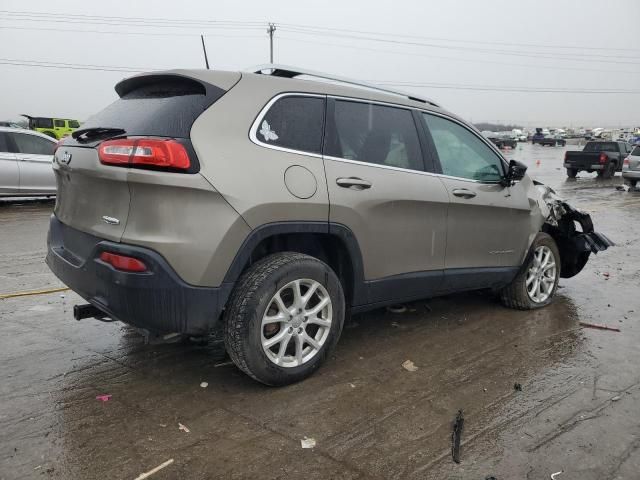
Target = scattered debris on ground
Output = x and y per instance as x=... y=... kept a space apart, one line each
x=409 y=366
x=397 y=308
x=144 y=475
x=103 y=398
x=308 y=442
x=456 y=436
x=204 y=384
x=599 y=327
x=554 y=475
x=517 y=387
x=183 y=428
x=616 y=398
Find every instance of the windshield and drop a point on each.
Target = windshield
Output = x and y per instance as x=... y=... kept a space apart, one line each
x=601 y=147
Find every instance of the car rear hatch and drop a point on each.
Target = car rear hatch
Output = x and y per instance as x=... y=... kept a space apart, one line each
x=147 y=128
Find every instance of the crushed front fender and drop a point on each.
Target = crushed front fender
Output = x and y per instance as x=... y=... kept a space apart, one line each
x=573 y=232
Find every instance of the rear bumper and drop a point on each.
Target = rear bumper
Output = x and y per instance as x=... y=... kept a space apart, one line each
x=157 y=300
x=635 y=174
x=583 y=167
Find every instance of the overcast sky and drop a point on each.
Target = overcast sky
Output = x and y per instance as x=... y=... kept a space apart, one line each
x=473 y=46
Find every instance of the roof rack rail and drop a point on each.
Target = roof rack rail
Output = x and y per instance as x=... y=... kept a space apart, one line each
x=286 y=71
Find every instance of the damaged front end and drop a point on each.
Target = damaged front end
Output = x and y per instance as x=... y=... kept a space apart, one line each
x=573 y=232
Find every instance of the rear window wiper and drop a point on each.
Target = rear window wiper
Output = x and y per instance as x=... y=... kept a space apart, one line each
x=88 y=133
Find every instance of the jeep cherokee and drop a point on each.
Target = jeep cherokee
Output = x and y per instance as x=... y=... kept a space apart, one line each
x=267 y=207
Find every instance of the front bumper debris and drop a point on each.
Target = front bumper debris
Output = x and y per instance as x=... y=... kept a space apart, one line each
x=575 y=244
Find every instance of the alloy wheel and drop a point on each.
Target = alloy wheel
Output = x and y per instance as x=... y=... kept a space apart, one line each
x=296 y=323
x=541 y=276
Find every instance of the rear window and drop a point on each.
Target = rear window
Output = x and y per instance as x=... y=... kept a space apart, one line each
x=43 y=122
x=162 y=106
x=636 y=152
x=601 y=147
x=295 y=123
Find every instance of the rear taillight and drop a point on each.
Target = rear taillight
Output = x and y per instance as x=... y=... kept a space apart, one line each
x=565 y=156
x=161 y=153
x=123 y=263
x=626 y=161
x=603 y=158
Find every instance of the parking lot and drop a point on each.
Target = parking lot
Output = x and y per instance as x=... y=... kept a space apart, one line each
x=576 y=412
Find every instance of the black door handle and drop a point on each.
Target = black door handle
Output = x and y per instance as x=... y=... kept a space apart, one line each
x=353 y=183
x=464 y=193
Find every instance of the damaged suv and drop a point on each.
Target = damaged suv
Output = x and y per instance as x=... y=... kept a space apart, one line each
x=263 y=208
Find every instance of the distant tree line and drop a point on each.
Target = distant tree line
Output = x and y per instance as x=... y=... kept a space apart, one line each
x=496 y=127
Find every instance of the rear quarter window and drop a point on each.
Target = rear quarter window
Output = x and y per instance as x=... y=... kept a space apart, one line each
x=294 y=123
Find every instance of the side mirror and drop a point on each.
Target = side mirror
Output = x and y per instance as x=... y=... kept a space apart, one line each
x=516 y=170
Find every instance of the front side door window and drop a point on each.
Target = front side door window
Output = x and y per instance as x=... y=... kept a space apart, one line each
x=462 y=154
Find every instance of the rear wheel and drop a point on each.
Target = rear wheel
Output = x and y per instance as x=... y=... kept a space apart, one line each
x=572 y=172
x=285 y=315
x=609 y=171
x=632 y=183
x=537 y=281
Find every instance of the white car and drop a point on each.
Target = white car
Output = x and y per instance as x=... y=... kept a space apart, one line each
x=26 y=163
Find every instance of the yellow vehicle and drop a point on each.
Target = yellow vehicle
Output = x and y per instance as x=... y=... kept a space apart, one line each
x=54 y=127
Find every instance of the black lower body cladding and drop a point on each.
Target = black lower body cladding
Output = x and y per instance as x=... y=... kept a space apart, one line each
x=157 y=300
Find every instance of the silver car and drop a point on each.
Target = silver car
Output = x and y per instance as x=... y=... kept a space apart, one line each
x=631 y=167
x=25 y=163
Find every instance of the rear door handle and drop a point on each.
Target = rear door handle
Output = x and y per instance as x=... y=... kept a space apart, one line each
x=464 y=193
x=353 y=183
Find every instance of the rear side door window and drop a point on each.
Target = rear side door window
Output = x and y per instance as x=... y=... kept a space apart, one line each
x=293 y=123
x=461 y=153
x=32 y=144
x=59 y=123
x=372 y=133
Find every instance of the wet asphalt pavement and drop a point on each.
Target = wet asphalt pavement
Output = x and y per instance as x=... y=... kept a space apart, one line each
x=578 y=411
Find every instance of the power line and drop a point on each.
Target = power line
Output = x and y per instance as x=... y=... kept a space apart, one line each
x=455 y=40
x=496 y=88
x=428 y=55
x=111 y=68
x=111 y=32
x=565 y=57
x=70 y=66
x=131 y=21
x=315 y=28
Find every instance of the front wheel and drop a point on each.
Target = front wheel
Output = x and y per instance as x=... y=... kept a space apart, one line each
x=537 y=282
x=285 y=315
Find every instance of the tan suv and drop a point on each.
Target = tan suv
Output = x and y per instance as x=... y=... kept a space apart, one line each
x=267 y=207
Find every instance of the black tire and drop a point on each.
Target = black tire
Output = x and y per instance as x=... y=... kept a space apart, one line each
x=609 y=171
x=632 y=183
x=251 y=297
x=515 y=294
x=572 y=172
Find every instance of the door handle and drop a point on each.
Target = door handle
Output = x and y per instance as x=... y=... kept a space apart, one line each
x=464 y=193
x=353 y=183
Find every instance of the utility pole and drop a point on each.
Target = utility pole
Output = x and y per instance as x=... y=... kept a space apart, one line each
x=204 y=49
x=271 y=30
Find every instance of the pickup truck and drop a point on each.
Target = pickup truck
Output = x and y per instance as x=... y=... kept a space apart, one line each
x=603 y=157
